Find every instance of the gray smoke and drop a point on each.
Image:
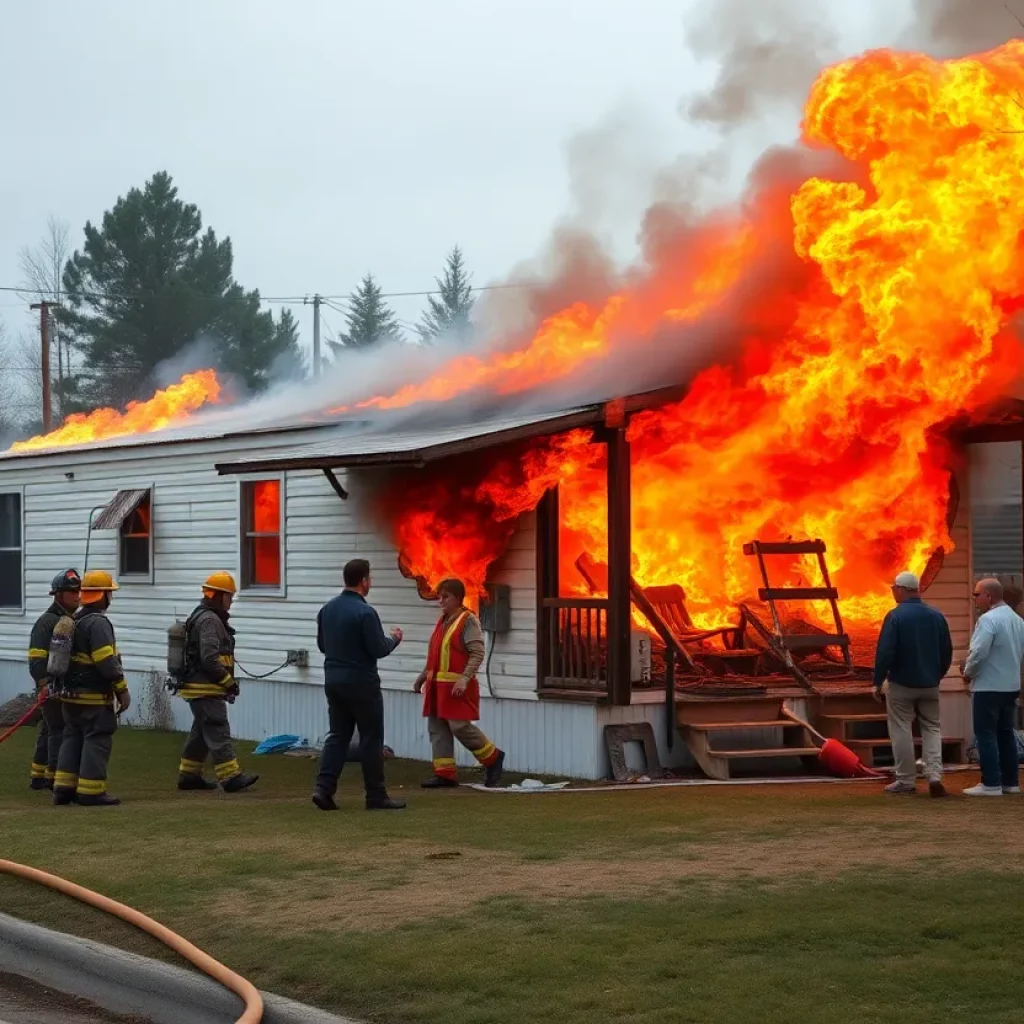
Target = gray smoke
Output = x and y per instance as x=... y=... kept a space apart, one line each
x=955 y=28
x=768 y=53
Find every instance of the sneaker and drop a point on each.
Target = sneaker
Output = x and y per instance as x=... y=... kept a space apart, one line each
x=323 y=801
x=1011 y=789
x=385 y=804
x=901 y=789
x=936 y=788
x=243 y=780
x=983 y=790
x=439 y=782
x=493 y=774
x=195 y=782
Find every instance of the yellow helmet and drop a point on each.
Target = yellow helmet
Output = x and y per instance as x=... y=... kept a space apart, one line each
x=96 y=583
x=222 y=581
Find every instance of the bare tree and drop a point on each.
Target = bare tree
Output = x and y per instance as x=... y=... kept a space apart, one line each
x=9 y=396
x=42 y=270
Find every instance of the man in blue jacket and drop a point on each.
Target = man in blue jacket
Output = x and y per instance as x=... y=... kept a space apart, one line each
x=914 y=652
x=352 y=640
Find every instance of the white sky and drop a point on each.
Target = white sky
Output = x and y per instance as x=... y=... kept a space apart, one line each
x=329 y=137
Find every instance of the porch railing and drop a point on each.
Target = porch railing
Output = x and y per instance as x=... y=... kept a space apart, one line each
x=574 y=653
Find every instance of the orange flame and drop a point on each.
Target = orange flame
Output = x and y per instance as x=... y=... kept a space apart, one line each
x=164 y=409
x=889 y=315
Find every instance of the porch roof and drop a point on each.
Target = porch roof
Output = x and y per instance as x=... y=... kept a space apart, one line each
x=389 y=443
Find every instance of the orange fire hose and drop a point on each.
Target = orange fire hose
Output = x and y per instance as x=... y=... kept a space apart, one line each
x=245 y=990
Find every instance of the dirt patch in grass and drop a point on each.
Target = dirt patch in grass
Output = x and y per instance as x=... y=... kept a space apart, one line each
x=401 y=882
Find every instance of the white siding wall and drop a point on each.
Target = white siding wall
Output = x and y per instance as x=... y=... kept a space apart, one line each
x=195 y=524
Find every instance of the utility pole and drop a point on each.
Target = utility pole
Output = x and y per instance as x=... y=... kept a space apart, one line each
x=316 y=300
x=44 y=334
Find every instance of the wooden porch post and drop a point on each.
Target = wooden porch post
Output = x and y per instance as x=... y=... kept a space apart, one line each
x=547 y=579
x=620 y=551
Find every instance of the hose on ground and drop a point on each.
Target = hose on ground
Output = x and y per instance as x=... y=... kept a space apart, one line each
x=24 y=718
x=245 y=990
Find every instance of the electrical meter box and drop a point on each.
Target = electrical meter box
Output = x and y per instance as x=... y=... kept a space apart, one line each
x=496 y=608
x=639 y=656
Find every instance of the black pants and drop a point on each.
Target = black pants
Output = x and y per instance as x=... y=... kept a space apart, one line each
x=85 y=750
x=48 y=740
x=349 y=709
x=210 y=736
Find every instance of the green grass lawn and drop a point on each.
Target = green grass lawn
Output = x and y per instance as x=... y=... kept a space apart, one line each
x=711 y=905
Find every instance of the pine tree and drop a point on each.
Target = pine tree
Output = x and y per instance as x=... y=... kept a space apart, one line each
x=370 y=319
x=447 y=316
x=147 y=283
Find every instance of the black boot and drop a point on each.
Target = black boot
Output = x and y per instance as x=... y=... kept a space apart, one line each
x=195 y=782
x=493 y=774
x=243 y=780
x=439 y=782
x=99 y=800
x=38 y=784
x=63 y=796
x=324 y=801
x=384 y=803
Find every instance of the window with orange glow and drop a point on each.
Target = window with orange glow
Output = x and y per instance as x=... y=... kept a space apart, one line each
x=261 y=534
x=136 y=541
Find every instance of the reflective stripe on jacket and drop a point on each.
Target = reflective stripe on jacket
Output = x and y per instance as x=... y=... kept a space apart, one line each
x=209 y=654
x=96 y=670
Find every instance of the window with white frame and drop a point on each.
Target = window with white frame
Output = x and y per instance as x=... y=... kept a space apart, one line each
x=262 y=537
x=130 y=513
x=135 y=541
x=11 y=552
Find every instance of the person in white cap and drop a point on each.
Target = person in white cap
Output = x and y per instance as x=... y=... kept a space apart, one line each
x=992 y=672
x=914 y=652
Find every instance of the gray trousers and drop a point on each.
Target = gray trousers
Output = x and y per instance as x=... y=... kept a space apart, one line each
x=444 y=732
x=210 y=736
x=85 y=749
x=903 y=704
x=48 y=741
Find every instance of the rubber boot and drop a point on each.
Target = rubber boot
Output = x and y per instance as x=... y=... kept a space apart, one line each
x=243 y=780
x=195 y=782
x=439 y=782
x=99 y=800
x=38 y=784
x=493 y=774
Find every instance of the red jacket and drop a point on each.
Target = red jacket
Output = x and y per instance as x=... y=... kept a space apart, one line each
x=447 y=657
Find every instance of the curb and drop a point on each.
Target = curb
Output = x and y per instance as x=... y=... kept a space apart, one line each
x=127 y=983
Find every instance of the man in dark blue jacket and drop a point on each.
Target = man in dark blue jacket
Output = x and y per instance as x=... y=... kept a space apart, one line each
x=914 y=652
x=352 y=640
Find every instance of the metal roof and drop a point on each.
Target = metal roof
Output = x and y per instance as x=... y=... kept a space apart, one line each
x=119 y=508
x=379 y=446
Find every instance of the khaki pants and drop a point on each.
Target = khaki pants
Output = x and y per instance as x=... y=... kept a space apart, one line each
x=443 y=734
x=903 y=704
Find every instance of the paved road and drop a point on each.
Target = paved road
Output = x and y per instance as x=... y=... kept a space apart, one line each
x=23 y=1002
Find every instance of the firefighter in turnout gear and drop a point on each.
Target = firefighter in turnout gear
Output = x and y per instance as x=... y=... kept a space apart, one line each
x=451 y=692
x=94 y=683
x=208 y=684
x=65 y=591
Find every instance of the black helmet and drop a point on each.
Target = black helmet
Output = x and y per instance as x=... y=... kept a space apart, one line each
x=69 y=580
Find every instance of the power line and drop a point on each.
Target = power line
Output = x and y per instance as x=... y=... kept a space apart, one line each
x=285 y=299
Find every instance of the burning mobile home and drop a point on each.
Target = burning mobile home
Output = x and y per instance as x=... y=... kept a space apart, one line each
x=686 y=556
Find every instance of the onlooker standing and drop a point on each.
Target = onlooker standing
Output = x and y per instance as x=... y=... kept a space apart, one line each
x=352 y=640
x=992 y=671
x=914 y=652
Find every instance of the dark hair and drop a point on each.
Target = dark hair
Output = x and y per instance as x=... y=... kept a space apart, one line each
x=355 y=572
x=454 y=587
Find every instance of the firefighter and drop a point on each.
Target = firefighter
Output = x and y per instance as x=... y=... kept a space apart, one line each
x=66 y=593
x=94 y=685
x=451 y=692
x=207 y=684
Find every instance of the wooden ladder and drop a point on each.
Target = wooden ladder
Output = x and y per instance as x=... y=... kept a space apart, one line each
x=784 y=644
